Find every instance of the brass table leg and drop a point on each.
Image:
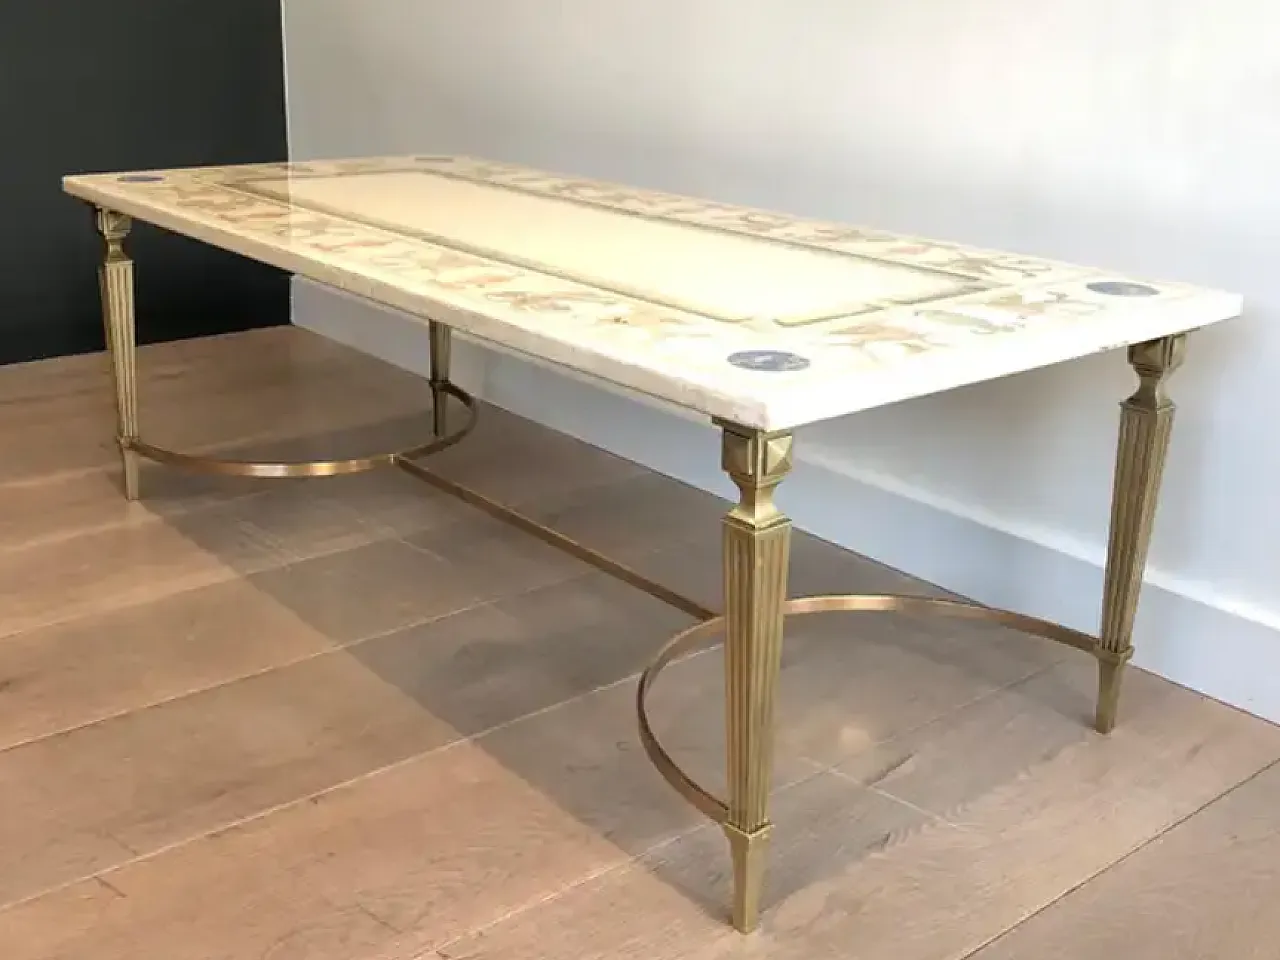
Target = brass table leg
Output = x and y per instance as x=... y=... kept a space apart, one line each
x=115 y=285
x=757 y=538
x=1146 y=420
x=441 y=355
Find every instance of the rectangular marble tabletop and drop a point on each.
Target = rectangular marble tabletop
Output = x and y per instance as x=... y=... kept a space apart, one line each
x=765 y=319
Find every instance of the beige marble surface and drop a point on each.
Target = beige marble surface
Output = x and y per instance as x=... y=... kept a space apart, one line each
x=759 y=317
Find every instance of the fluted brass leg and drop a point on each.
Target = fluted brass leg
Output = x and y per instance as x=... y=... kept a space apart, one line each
x=757 y=539
x=441 y=355
x=115 y=284
x=1146 y=420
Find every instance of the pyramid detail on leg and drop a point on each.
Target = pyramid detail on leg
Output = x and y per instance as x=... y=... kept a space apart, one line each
x=1146 y=422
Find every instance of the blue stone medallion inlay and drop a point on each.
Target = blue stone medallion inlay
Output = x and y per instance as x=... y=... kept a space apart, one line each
x=1122 y=288
x=768 y=361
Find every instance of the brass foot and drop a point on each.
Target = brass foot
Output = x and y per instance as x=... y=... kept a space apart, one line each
x=1110 y=675
x=1146 y=421
x=750 y=853
x=131 y=463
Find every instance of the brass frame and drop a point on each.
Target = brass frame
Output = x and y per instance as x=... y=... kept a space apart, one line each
x=756 y=548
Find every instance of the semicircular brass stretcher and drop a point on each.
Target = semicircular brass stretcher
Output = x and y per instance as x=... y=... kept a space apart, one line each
x=197 y=463
x=685 y=641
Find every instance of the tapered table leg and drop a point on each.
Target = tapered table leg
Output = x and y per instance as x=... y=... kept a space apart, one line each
x=441 y=358
x=115 y=285
x=757 y=539
x=1146 y=420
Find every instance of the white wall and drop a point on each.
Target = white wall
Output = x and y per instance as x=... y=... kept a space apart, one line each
x=1141 y=135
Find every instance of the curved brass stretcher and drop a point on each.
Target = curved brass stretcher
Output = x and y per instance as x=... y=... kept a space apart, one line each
x=691 y=638
x=309 y=468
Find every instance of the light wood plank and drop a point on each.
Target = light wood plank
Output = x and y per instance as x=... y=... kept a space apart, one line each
x=143 y=557
x=1206 y=890
x=74 y=673
x=196 y=919
x=98 y=572
x=68 y=505
x=161 y=776
x=441 y=845
x=1030 y=836
x=154 y=777
x=672 y=903
x=139 y=560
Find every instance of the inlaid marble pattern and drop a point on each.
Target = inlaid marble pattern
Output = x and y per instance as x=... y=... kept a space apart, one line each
x=760 y=317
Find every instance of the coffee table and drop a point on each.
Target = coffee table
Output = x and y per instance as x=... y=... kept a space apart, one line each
x=760 y=321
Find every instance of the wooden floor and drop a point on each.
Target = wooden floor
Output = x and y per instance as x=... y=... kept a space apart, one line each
x=351 y=719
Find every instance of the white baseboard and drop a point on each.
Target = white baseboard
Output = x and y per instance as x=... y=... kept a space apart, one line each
x=1185 y=633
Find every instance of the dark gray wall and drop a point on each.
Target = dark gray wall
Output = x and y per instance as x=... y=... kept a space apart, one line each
x=100 y=85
